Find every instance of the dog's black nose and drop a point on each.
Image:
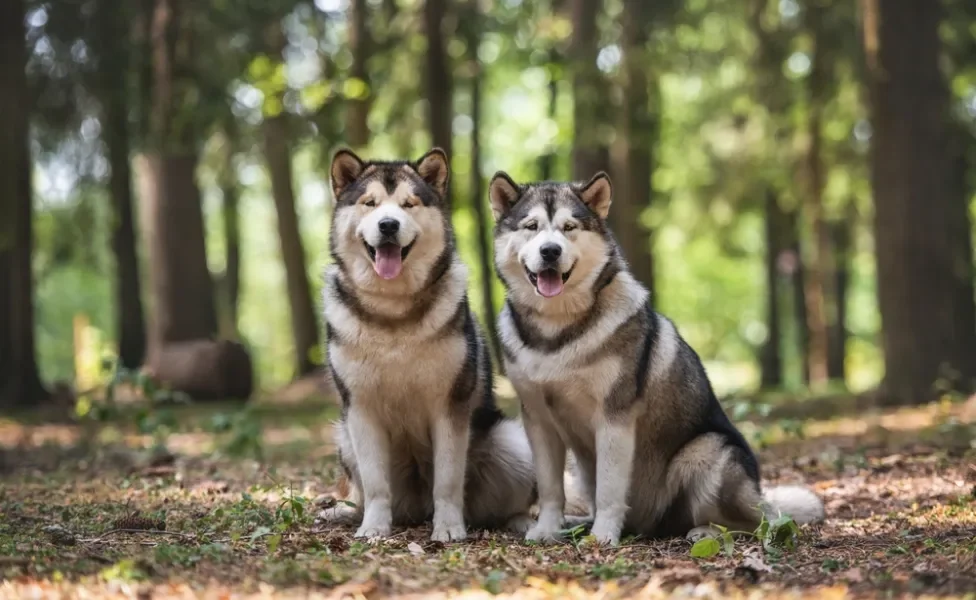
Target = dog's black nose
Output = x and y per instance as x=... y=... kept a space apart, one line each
x=389 y=226
x=550 y=252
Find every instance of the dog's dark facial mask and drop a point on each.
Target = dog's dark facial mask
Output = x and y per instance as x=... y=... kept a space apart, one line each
x=549 y=237
x=387 y=212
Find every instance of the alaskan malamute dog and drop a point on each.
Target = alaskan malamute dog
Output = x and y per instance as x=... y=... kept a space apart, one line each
x=602 y=374
x=420 y=435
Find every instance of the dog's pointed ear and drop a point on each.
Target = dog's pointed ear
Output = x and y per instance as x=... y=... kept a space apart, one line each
x=504 y=193
x=597 y=193
x=435 y=169
x=346 y=168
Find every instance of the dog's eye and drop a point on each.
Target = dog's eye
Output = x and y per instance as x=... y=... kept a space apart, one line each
x=406 y=205
x=569 y=226
x=531 y=226
x=370 y=203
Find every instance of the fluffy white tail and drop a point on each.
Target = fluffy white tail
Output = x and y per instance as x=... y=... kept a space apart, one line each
x=796 y=501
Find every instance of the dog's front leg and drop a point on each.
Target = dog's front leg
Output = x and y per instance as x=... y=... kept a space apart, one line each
x=549 y=456
x=372 y=448
x=450 y=456
x=615 y=441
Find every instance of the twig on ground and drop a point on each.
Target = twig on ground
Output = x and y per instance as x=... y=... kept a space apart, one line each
x=187 y=536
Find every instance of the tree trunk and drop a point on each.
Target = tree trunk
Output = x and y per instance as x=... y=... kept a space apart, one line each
x=304 y=325
x=360 y=44
x=771 y=358
x=184 y=312
x=819 y=281
x=232 y=234
x=180 y=281
x=924 y=264
x=591 y=152
x=128 y=290
x=798 y=290
x=556 y=63
x=20 y=383
x=841 y=234
x=639 y=128
x=439 y=77
x=472 y=30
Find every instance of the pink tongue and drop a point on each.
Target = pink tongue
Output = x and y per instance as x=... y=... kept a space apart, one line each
x=388 y=263
x=549 y=283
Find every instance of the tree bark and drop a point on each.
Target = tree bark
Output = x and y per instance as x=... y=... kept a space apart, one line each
x=639 y=128
x=819 y=282
x=924 y=263
x=556 y=62
x=798 y=279
x=439 y=77
x=304 y=325
x=20 y=383
x=591 y=152
x=360 y=44
x=472 y=30
x=771 y=357
x=232 y=234
x=841 y=234
x=173 y=228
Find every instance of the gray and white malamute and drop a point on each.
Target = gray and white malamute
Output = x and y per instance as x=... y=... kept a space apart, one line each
x=420 y=436
x=602 y=374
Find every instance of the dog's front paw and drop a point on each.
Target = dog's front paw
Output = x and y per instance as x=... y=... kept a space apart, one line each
x=543 y=533
x=605 y=534
x=373 y=532
x=699 y=533
x=449 y=532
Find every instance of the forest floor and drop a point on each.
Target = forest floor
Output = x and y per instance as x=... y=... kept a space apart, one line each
x=899 y=487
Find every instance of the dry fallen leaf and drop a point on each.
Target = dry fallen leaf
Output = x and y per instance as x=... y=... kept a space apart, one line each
x=853 y=575
x=415 y=549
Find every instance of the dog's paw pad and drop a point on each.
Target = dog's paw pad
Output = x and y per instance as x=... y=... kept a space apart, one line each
x=520 y=524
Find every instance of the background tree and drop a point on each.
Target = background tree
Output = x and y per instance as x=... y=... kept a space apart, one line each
x=19 y=380
x=924 y=278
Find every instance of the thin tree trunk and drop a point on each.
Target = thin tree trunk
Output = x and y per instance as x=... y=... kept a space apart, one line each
x=304 y=325
x=20 y=383
x=439 y=77
x=841 y=233
x=591 y=153
x=924 y=264
x=639 y=131
x=472 y=30
x=360 y=44
x=113 y=35
x=547 y=162
x=232 y=234
x=819 y=276
x=799 y=287
x=771 y=358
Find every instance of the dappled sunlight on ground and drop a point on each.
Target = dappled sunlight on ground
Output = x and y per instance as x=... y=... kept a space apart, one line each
x=239 y=492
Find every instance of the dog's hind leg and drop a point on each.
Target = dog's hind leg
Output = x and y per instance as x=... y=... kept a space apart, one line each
x=709 y=476
x=348 y=510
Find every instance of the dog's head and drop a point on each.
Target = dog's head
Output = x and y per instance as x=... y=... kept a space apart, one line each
x=551 y=239
x=391 y=219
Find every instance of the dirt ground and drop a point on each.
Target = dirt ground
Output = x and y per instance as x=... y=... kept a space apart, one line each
x=77 y=498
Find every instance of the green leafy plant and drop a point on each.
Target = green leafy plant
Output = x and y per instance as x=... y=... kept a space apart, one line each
x=782 y=532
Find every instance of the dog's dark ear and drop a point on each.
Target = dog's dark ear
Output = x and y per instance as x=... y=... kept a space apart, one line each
x=504 y=193
x=597 y=193
x=346 y=168
x=435 y=170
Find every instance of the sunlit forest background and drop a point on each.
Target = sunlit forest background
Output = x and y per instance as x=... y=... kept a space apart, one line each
x=794 y=179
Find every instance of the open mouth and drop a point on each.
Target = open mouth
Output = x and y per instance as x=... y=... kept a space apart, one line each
x=548 y=282
x=388 y=258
